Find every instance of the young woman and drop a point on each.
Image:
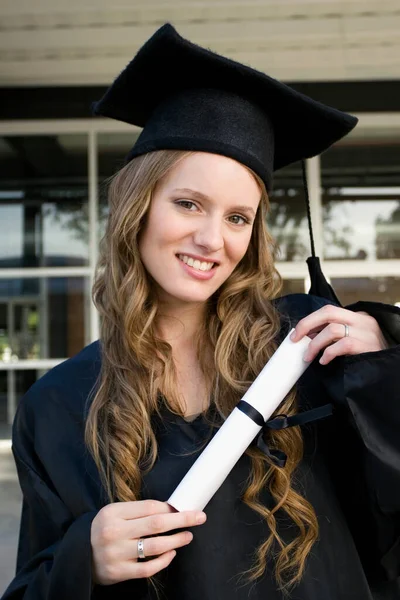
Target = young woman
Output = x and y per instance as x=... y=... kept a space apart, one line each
x=188 y=294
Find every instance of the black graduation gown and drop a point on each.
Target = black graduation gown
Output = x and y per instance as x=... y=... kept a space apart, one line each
x=350 y=473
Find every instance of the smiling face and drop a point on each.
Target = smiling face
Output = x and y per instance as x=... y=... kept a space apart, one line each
x=202 y=212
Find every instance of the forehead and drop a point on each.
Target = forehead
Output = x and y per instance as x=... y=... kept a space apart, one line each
x=216 y=176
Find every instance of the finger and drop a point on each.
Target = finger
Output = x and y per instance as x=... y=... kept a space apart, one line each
x=151 y=567
x=316 y=320
x=138 y=508
x=329 y=334
x=161 y=523
x=345 y=346
x=139 y=570
x=126 y=550
x=161 y=544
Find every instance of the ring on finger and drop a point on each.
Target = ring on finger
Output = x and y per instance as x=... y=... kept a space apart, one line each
x=346 y=330
x=140 y=549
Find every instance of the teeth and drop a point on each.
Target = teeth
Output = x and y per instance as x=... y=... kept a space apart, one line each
x=196 y=264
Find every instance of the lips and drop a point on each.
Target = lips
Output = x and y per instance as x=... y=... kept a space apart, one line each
x=195 y=263
x=199 y=258
x=197 y=273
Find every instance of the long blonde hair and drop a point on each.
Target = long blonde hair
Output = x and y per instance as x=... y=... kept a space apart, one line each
x=240 y=328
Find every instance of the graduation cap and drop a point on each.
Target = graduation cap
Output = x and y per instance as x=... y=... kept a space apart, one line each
x=189 y=98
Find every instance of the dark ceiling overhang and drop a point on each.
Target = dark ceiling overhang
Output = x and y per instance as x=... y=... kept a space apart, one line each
x=74 y=102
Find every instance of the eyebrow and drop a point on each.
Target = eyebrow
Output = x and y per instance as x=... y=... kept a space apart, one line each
x=200 y=196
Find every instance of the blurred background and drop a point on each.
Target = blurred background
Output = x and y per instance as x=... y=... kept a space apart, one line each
x=56 y=58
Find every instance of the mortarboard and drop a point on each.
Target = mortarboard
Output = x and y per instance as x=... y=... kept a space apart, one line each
x=189 y=98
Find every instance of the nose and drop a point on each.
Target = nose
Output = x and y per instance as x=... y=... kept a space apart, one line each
x=209 y=235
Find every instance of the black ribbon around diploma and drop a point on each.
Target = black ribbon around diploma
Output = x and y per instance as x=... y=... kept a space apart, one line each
x=281 y=422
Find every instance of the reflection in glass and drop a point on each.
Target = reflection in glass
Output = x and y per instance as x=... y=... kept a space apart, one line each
x=13 y=385
x=43 y=318
x=387 y=237
x=361 y=201
x=43 y=201
x=293 y=286
x=287 y=220
x=113 y=148
x=362 y=229
x=373 y=289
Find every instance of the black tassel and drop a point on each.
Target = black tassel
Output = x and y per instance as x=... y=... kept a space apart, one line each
x=319 y=285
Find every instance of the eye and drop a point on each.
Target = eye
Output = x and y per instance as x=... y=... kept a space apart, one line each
x=184 y=204
x=244 y=220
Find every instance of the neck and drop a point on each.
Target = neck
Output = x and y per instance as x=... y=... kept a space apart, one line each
x=179 y=324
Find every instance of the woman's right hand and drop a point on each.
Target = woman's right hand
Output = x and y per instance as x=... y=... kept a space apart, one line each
x=117 y=528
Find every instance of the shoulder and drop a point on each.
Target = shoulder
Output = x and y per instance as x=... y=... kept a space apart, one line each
x=63 y=390
x=296 y=306
x=77 y=372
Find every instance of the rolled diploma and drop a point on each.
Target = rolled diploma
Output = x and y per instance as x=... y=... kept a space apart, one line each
x=224 y=450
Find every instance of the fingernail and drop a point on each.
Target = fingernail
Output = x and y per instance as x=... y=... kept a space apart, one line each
x=201 y=518
x=306 y=357
x=322 y=360
x=173 y=553
x=189 y=537
x=293 y=336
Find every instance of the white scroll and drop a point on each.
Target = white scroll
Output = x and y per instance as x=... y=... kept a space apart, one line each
x=224 y=450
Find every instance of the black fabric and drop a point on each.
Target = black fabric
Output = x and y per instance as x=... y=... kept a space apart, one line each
x=189 y=98
x=210 y=120
x=319 y=285
x=350 y=473
x=387 y=316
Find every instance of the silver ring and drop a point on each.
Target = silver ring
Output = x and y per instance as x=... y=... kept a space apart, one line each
x=140 y=549
x=346 y=330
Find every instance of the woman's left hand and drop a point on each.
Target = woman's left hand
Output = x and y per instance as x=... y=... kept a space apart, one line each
x=326 y=327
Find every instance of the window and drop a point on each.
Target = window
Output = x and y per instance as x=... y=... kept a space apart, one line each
x=361 y=201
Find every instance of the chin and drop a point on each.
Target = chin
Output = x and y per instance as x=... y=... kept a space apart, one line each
x=185 y=296
x=192 y=298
